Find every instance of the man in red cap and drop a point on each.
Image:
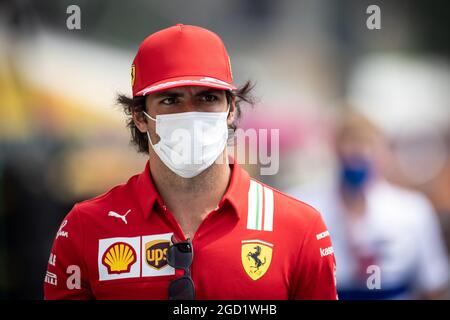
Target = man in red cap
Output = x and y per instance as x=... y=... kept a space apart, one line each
x=191 y=225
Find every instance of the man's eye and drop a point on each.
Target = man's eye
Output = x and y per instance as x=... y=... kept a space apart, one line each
x=169 y=101
x=209 y=98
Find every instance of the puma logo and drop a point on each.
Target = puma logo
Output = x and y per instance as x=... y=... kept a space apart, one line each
x=116 y=215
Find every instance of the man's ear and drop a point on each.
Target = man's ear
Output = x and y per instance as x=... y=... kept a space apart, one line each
x=140 y=121
x=231 y=113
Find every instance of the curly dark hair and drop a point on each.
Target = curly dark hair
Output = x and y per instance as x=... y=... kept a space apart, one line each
x=137 y=104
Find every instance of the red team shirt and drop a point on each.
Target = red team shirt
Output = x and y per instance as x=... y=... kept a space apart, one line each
x=257 y=244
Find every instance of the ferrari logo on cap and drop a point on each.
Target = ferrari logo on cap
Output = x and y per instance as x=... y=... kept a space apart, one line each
x=256 y=257
x=133 y=74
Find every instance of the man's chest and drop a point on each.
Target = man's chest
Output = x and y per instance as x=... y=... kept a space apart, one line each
x=227 y=264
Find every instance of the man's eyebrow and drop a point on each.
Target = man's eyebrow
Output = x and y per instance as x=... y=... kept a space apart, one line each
x=168 y=94
x=208 y=91
x=175 y=94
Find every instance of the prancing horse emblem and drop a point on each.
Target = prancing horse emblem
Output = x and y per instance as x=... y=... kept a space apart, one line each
x=256 y=256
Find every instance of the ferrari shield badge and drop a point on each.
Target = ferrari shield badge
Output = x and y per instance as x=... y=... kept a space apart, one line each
x=256 y=257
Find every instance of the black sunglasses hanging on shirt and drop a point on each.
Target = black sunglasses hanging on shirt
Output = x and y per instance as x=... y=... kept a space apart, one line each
x=179 y=256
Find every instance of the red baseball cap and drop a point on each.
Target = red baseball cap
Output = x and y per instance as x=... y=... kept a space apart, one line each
x=181 y=55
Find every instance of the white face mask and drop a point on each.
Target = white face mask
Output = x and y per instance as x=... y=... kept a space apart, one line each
x=190 y=142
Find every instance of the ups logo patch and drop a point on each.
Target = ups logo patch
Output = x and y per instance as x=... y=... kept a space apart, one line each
x=156 y=253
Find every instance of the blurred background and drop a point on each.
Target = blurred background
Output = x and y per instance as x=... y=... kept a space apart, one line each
x=364 y=119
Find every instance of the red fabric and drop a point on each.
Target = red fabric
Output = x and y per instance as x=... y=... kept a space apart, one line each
x=181 y=52
x=300 y=267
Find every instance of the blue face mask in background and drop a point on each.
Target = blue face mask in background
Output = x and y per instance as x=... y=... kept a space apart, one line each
x=355 y=173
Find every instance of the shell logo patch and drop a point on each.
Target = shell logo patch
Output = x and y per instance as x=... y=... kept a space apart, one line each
x=256 y=257
x=119 y=258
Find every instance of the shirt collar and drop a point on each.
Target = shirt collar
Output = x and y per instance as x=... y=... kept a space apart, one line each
x=236 y=194
x=146 y=191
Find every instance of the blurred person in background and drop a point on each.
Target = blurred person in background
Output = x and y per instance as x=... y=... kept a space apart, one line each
x=378 y=229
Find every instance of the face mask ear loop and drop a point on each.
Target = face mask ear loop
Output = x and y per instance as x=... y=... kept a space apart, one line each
x=148 y=133
x=148 y=116
x=228 y=110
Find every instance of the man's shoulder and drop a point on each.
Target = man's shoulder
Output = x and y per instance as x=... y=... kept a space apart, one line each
x=116 y=196
x=291 y=210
